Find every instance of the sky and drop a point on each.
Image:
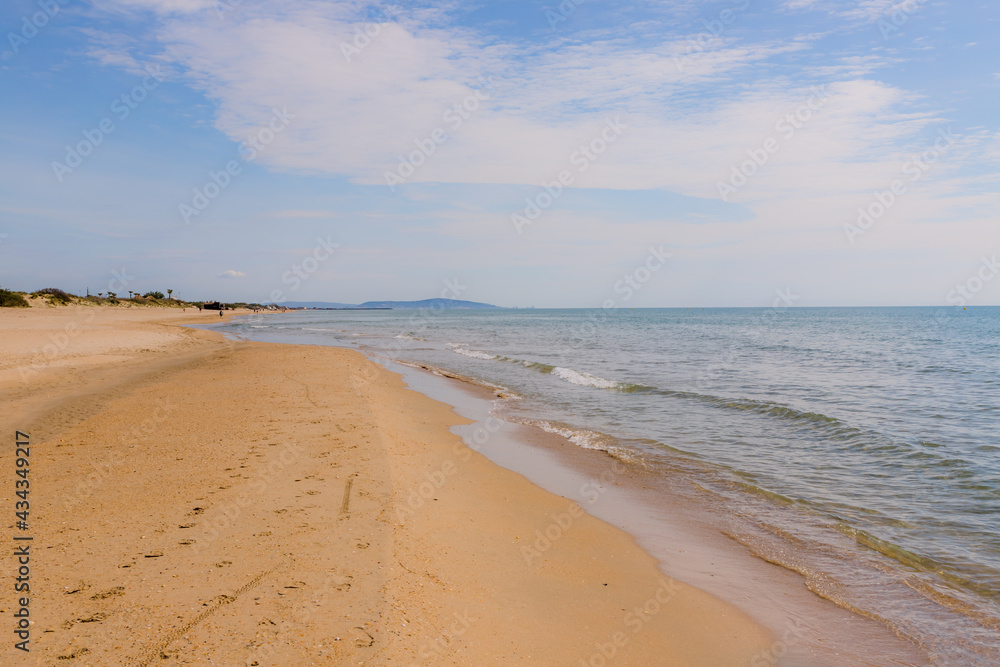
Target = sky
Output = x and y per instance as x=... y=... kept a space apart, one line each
x=582 y=154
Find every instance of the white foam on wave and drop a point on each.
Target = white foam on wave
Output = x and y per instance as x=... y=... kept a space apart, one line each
x=583 y=438
x=475 y=354
x=584 y=379
x=589 y=440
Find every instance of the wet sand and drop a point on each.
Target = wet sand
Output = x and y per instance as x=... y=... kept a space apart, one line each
x=675 y=519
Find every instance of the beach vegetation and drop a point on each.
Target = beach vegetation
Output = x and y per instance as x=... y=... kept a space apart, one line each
x=9 y=299
x=58 y=297
x=55 y=296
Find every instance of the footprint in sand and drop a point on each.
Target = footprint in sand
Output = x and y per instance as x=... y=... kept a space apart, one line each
x=75 y=654
x=365 y=639
x=339 y=582
x=110 y=593
x=93 y=618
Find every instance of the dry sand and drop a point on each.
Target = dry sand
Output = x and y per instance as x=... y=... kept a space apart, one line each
x=196 y=501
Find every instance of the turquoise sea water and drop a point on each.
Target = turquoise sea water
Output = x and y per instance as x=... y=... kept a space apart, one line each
x=858 y=446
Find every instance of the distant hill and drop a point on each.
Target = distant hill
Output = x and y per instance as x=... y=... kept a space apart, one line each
x=436 y=304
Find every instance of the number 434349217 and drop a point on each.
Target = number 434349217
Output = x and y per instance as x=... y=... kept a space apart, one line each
x=23 y=453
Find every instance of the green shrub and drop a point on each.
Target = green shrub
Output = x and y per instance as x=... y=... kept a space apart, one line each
x=54 y=294
x=10 y=299
x=153 y=295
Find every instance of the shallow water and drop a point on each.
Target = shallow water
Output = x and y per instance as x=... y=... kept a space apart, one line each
x=857 y=446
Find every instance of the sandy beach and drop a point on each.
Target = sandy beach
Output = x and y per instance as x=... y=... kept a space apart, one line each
x=201 y=501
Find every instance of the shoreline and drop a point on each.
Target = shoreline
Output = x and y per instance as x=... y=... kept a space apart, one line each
x=662 y=513
x=281 y=476
x=673 y=525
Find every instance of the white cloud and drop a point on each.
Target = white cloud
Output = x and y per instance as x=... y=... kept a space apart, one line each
x=689 y=112
x=870 y=10
x=690 y=121
x=232 y=274
x=300 y=213
x=800 y=4
x=165 y=7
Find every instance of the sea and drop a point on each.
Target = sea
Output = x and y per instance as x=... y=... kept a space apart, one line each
x=859 y=447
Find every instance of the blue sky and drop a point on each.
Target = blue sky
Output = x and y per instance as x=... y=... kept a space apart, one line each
x=843 y=152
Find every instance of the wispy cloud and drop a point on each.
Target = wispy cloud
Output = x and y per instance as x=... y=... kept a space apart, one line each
x=360 y=118
x=365 y=89
x=166 y=7
x=300 y=214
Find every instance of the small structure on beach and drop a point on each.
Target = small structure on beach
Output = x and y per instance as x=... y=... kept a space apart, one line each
x=212 y=305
